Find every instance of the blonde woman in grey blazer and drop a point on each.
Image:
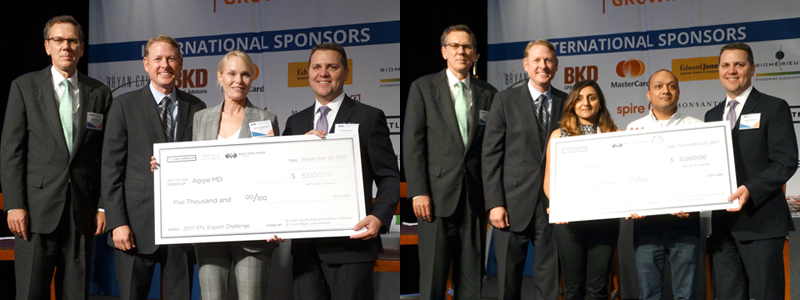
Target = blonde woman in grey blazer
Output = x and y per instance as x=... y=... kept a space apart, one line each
x=250 y=260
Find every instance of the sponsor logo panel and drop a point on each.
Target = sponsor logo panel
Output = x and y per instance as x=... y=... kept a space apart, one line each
x=696 y=68
x=781 y=69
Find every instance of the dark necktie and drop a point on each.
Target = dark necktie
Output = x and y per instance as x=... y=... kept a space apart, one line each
x=166 y=119
x=541 y=118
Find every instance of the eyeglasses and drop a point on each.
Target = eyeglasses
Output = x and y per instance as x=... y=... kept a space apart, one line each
x=467 y=47
x=60 y=41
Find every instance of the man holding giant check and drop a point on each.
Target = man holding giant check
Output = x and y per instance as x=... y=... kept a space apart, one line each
x=688 y=168
x=342 y=267
x=747 y=241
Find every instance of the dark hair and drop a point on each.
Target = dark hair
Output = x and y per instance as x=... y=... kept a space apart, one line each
x=737 y=46
x=63 y=19
x=330 y=46
x=570 y=121
x=459 y=27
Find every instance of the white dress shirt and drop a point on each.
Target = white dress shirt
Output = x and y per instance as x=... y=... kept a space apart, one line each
x=333 y=105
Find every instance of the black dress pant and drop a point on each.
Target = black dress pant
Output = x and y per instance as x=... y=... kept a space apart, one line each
x=512 y=249
x=747 y=269
x=315 y=279
x=66 y=250
x=135 y=272
x=585 y=249
x=457 y=240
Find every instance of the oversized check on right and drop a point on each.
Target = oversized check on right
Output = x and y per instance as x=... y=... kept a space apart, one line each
x=611 y=175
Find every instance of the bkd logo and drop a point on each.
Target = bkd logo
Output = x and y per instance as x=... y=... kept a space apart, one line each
x=575 y=74
x=194 y=78
x=630 y=68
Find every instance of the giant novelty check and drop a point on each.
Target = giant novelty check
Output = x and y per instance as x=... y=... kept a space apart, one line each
x=252 y=189
x=648 y=172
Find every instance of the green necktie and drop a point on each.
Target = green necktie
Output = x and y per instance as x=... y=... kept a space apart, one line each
x=461 y=111
x=65 y=112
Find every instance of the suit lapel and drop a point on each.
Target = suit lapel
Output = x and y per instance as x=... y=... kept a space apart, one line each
x=749 y=107
x=183 y=117
x=751 y=103
x=211 y=131
x=444 y=100
x=45 y=95
x=250 y=115
x=86 y=103
x=478 y=96
x=557 y=108
x=148 y=104
x=345 y=112
x=716 y=112
x=526 y=105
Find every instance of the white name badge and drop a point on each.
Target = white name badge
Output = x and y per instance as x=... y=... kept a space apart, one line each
x=750 y=121
x=483 y=116
x=94 y=121
x=261 y=129
x=346 y=128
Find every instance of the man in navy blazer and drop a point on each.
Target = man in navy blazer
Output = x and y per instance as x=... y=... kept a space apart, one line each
x=748 y=241
x=341 y=268
x=51 y=170
x=135 y=122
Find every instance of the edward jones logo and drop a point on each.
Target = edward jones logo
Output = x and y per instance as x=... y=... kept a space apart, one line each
x=298 y=73
x=630 y=68
x=696 y=68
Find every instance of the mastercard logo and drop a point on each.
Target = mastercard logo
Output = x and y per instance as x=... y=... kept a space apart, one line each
x=630 y=68
x=256 y=75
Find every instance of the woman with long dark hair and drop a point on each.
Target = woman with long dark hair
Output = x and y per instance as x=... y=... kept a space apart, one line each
x=585 y=248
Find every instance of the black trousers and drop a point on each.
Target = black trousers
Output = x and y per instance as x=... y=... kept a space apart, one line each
x=512 y=248
x=747 y=269
x=135 y=272
x=315 y=279
x=65 y=250
x=458 y=240
x=585 y=250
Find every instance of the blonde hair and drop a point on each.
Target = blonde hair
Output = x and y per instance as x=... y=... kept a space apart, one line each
x=165 y=39
x=541 y=43
x=248 y=62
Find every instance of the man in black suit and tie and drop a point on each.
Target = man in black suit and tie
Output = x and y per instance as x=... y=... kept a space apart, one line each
x=442 y=137
x=52 y=137
x=748 y=241
x=157 y=113
x=520 y=122
x=341 y=268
